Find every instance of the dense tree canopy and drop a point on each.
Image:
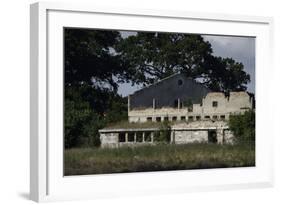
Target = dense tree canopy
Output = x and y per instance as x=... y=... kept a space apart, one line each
x=153 y=56
x=88 y=109
x=89 y=57
x=225 y=75
x=243 y=126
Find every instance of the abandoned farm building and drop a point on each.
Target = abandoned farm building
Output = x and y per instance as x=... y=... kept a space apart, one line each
x=194 y=114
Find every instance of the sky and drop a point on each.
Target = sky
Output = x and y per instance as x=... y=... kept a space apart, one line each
x=241 y=49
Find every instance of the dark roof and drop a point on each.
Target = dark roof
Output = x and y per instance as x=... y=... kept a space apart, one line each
x=167 y=90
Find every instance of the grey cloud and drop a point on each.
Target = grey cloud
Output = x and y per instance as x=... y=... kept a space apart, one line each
x=241 y=49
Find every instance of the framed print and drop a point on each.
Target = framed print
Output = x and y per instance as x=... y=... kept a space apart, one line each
x=128 y=102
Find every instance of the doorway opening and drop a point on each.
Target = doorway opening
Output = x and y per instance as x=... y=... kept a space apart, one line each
x=212 y=136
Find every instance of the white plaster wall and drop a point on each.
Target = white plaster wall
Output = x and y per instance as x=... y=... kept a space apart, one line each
x=183 y=137
x=238 y=100
x=197 y=109
x=228 y=137
x=109 y=139
x=226 y=106
x=207 y=103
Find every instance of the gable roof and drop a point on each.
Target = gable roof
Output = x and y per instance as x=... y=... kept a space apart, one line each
x=167 y=78
x=167 y=90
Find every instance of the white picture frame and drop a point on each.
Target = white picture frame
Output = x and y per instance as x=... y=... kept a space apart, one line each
x=47 y=182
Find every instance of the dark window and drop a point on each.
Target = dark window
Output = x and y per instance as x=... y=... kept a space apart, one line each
x=174 y=118
x=121 y=137
x=158 y=119
x=222 y=117
x=156 y=137
x=176 y=103
x=139 y=136
x=166 y=118
x=212 y=136
x=190 y=118
x=180 y=82
x=183 y=118
x=207 y=117
x=149 y=119
x=147 y=137
x=215 y=117
x=131 y=136
x=198 y=117
x=215 y=103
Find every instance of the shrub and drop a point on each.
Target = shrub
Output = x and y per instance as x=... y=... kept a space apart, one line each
x=81 y=125
x=243 y=126
x=88 y=109
x=163 y=135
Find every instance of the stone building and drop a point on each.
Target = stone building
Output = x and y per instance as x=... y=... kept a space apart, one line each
x=193 y=112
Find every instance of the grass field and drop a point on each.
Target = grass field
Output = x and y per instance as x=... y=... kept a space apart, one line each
x=156 y=158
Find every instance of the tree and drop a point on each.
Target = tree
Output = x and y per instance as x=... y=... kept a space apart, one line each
x=90 y=58
x=87 y=110
x=153 y=56
x=77 y=114
x=92 y=70
x=225 y=75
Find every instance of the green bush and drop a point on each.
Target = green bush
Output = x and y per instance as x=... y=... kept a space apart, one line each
x=88 y=109
x=81 y=125
x=163 y=135
x=243 y=126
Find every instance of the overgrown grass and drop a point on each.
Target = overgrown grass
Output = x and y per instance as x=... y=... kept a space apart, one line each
x=156 y=158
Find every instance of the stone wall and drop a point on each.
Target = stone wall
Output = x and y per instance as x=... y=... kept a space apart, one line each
x=181 y=133
x=188 y=136
x=229 y=138
x=135 y=137
x=109 y=139
x=215 y=106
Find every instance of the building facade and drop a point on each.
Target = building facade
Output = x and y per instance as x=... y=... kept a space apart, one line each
x=193 y=112
x=214 y=106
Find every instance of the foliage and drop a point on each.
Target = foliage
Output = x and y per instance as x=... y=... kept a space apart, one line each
x=164 y=133
x=86 y=111
x=89 y=58
x=77 y=113
x=157 y=55
x=151 y=56
x=157 y=158
x=91 y=99
x=225 y=74
x=81 y=124
x=243 y=126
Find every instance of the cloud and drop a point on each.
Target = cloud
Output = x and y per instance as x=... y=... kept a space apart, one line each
x=241 y=49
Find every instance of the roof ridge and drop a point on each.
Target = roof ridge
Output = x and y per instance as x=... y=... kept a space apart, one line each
x=170 y=76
